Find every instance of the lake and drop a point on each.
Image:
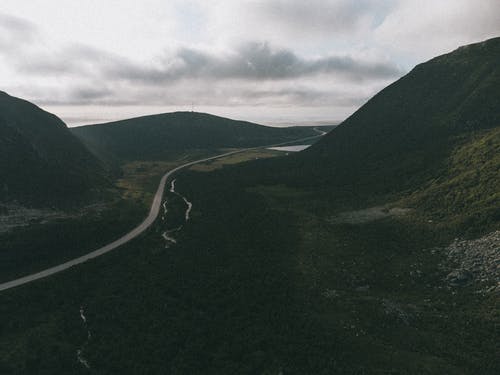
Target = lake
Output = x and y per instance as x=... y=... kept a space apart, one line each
x=295 y=148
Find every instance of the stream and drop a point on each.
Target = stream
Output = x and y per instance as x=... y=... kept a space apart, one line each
x=167 y=234
x=80 y=352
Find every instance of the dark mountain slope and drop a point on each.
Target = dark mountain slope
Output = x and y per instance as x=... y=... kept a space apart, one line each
x=150 y=137
x=431 y=138
x=406 y=132
x=41 y=162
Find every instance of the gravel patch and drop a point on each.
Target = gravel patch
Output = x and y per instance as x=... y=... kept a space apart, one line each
x=475 y=261
x=368 y=214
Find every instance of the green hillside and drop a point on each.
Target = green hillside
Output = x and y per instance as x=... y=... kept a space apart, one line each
x=332 y=261
x=153 y=137
x=40 y=160
x=467 y=192
x=432 y=136
x=408 y=130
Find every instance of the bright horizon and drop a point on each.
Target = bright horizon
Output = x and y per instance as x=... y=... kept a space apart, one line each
x=272 y=62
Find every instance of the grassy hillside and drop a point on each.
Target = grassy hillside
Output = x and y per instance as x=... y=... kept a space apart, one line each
x=41 y=162
x=406 y=133
x=285 y=265
x=153 y=137
x=429 y=141
x=467 y=192
x=258 y=283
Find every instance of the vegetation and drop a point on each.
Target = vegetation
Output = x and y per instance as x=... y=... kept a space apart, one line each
x=40 y=245
x=41 y=162
x=48 y=242
x=272 y=274
x=405 y=134
x=236 y=159
x=466 y=193
x=258 y=283
x=433 y=130
x=153 y=137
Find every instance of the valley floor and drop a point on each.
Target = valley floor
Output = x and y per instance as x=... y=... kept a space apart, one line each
x=263 y=279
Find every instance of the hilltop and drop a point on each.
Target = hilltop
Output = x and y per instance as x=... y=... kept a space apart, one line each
x=154 y=136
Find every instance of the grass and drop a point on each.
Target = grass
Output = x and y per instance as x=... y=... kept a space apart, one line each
x=236 y=159
x=140 y=180
x=466 y=193
x=261 y=281
x=154 y=137
x=380 y=284
x=32 y=248
x=38 y=246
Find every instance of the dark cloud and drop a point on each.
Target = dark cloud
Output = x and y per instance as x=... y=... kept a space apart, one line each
x=15 y=32
x=302 y=96
x=252 y=74
x=76 y=60
x=253 y=61
x=90 y=93
x=232 y=78
x=47 y=65
x=90 y=96
x=204 y=94
x=17 y=25
x=75 y=101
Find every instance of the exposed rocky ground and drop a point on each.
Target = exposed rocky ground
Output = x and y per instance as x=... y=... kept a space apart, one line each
x=368 y=214
x=475 y=262
x=14 y=215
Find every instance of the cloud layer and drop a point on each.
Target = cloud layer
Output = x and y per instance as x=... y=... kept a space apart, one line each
x=252 y=61
x=273 y=56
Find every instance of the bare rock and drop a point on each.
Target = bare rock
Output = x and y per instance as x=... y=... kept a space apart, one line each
x=475 y=261
x=459 y=277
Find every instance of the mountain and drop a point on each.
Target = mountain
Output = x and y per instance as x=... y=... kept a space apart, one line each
x=41 y=162
x=412 y=126
x=150 y=137
x=335 y=260
x=432 y=136
x=429 y=141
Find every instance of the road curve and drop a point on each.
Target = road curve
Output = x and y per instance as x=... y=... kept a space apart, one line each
x=153 y=213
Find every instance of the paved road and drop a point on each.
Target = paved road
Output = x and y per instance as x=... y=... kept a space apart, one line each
x=153 y=213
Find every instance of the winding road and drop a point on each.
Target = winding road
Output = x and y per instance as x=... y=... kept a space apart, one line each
x=153 y=213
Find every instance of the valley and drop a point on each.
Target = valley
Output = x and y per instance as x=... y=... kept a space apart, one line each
x=156 y=204
x=373 y=249
x=313 y=279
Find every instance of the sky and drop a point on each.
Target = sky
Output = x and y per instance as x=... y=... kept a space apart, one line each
x=274 y=62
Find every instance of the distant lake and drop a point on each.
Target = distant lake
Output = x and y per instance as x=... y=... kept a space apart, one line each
x=290 y=148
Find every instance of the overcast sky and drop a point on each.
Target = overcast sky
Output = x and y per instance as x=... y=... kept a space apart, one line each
x=270 y=61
